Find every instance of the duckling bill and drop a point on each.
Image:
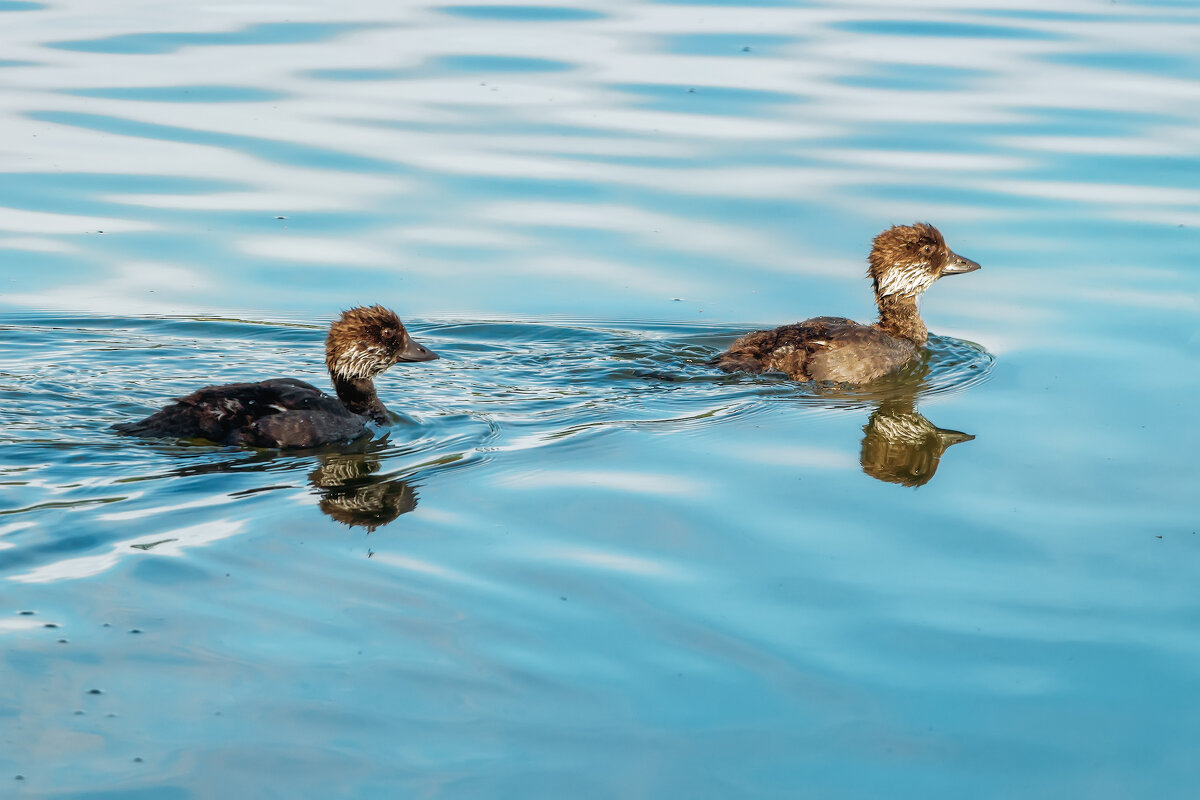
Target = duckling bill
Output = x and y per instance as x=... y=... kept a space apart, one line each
x=905 y=260
x=289 y=413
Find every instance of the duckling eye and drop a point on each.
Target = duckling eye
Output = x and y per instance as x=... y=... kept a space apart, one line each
x=927 y=249
x=388 y=333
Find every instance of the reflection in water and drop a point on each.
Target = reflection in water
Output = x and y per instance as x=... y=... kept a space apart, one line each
x=901 y=446
x=353 y=494
x=703 y=161
x=350 y=489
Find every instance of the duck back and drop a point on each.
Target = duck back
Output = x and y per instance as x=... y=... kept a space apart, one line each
x=820 y=349
x=282 y=412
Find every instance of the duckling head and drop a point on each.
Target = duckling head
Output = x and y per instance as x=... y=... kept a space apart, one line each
x=905 y=260
x=366 y=340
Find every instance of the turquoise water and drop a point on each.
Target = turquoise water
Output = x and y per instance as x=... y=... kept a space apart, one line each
x=582 y=563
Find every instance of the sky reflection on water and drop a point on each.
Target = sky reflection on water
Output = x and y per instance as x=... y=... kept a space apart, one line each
x=585 y=563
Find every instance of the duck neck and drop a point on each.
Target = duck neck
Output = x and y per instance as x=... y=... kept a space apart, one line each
x=898 y=317
x=358 y=396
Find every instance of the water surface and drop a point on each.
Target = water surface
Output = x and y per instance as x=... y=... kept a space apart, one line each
x=581 y=562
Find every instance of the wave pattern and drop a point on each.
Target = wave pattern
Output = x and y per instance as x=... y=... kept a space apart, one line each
x=501 y=386
x=583 y=564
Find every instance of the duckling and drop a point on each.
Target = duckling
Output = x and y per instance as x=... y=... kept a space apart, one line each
x=905 y=260
x=288 y=413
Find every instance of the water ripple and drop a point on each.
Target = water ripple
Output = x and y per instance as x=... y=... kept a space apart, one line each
x=578 y=544
x=160 y=43
x=502 y=388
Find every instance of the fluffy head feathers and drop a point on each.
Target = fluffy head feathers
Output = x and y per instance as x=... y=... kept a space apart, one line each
x=906 y=259
x=363 y=342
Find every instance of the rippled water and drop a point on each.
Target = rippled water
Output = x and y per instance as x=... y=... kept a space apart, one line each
x=584 y=563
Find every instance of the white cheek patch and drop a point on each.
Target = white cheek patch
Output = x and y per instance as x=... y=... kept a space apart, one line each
x=907 y=280
x=361 y=361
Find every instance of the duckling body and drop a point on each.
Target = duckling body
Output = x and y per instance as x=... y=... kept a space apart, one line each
x=820 y=349
x=290 y=413
x=905 y=261
x=283 y=412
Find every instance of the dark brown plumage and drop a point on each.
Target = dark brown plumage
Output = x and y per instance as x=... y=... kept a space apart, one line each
x=289 y=413
x=905 y=260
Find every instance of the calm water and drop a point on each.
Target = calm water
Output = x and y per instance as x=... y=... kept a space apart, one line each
x=583 y=565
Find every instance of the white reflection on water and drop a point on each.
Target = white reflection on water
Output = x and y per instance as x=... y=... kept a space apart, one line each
x=13 y=527
x=22 y=221
x=617 y=562
x=424 y=567
x=134 y=288
x=165 y=543
x=319 y=250
x=36 y=245
x=792 y=454
x=619 y=480
x=19 y=624
x=660 y=131
x=650 y=228
x=142 y=513
x=742 y=580
x=1100 y=193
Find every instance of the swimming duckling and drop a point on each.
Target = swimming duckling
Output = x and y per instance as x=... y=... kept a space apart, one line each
x=289 y=413
x=905 y=261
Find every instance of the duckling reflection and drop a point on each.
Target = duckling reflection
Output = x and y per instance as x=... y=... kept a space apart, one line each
x=901 y=446
x=349 y=488
x=353 y=494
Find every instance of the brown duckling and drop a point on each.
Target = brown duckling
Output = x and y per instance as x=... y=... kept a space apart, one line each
x=289 y=413
x=905 y=261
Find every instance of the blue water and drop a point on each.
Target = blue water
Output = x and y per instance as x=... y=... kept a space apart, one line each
x=582 y=563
